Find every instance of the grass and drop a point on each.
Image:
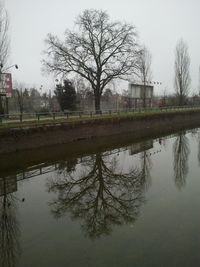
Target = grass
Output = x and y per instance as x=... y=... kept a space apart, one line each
x=128 y=114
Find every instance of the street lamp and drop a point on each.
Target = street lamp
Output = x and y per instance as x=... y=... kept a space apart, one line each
x=15 y=65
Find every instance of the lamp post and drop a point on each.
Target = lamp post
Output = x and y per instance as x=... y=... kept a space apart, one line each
x=6 y=99
x=14 y=65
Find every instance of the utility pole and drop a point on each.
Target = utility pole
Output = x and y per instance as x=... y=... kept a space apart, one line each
x=199 y=82
x=1 y=102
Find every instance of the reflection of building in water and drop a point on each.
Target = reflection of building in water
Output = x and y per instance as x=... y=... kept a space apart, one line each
x=8 y=185
x=140 y=147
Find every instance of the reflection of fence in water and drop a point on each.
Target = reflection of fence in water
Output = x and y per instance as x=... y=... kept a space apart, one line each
x=9 y=184
x=36 y=172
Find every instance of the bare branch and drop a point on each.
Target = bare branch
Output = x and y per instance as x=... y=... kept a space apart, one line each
x=99 y=51
x=4 y=39
x=182 y=78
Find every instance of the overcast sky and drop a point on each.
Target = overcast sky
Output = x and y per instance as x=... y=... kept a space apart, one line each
x=160 y=24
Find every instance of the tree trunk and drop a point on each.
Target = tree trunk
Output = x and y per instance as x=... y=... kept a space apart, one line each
x=97 y=103
x=1 y=106
x=7 y=107
x=144 y=94
x=180 y=100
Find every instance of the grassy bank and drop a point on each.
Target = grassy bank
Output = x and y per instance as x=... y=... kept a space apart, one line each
x=34 y=134
x=98 y=117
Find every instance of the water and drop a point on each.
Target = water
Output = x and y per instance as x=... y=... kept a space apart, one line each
x=137 y=205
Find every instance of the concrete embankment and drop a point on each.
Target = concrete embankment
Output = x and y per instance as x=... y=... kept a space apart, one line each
x=23 y=138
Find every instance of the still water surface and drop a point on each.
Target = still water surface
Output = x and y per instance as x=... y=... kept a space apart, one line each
x=134 y=206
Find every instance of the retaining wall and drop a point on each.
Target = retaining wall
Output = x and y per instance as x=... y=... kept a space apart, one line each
x=17 y=139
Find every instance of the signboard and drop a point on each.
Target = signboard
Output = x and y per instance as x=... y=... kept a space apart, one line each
x=6 y=84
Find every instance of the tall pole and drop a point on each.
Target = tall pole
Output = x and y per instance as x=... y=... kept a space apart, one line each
x=199 y=82
x=7 y=109
x=1 y=106
x=144 y=93
x=1 y=102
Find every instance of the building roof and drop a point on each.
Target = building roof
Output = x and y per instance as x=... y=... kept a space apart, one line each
x=140 y=84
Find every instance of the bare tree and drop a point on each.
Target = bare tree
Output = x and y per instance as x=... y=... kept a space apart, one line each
x=21 y=95
x=144 y=70
x=4 y=43
x=4 y=38
x=182 y=71
x=99 y=51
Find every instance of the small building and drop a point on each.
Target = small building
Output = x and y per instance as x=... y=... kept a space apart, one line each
x=137 y=92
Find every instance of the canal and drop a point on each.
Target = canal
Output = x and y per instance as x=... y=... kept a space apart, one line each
x=135 y=204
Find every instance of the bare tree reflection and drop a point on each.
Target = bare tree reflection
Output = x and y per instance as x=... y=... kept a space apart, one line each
x=195 y=134
x=198 y=155
x=146 y=165
x=67 y=166
x=102 y=196
x=9 y=228
x=181 y=152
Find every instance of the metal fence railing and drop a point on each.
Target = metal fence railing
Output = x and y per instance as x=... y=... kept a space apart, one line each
x=38 y=116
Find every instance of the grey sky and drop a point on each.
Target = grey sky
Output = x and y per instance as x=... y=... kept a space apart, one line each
x=160 y=25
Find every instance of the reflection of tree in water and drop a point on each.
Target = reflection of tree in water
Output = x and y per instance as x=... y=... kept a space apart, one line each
x=197 y=137
x=9 y=231
x=101 y=196
x=146 y=166
x=195 y=133
x=67 y=166
x=181 y=152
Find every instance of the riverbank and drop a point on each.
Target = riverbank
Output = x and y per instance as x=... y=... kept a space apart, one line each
x=15 y=139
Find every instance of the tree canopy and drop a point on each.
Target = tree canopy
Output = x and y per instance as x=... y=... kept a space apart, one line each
x=182 y=71
x=99 y=50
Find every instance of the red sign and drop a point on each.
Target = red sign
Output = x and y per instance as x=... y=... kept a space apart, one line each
x=6 y=84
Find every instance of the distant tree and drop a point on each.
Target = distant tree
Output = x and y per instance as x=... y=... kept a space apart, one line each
x=45 y=101
x=82 y=89
x=127 y=101
x=66 y=95
x=35 y=100
x=100 y=51
x=182 y=71
x=107 y=95
x=144 y=70
x=22 y=96
x=51 y=100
